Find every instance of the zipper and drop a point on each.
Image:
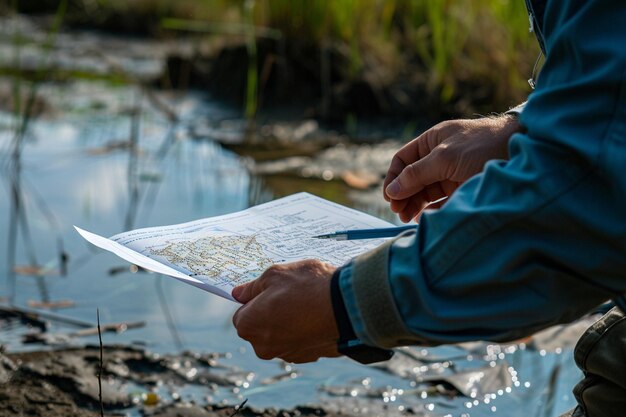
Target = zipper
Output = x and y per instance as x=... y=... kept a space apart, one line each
x=534 y=27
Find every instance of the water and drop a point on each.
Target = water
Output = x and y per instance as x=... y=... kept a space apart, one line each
x=106 y=159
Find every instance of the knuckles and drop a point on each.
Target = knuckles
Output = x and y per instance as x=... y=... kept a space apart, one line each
x=411 y=173
x=242 y=329
x=446 y=155
x=263 y=347
x=270 y=272
x=271 y=275
x=311 y=264
x=396 y=162
x=246 y=330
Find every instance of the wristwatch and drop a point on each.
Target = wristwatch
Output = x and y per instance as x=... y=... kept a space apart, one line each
x=348 y=343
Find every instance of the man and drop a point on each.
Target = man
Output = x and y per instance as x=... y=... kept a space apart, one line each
x=537 y=237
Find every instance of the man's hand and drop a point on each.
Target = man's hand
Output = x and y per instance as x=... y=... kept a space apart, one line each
x=288 y=314
x=436 y=163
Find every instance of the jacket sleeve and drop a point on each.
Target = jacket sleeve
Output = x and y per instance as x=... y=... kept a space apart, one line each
x=530 y=242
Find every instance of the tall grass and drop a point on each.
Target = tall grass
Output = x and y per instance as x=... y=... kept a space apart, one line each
x=456 y=45
x=252 y=79
x=459 y=44
x=22 y=115
x=478 y=42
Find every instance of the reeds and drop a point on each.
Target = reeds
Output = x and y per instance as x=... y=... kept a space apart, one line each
x=23 y=105
x=456 y=42
x=453 y=46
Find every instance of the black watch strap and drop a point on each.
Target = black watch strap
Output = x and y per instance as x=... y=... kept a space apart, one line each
x=348 y=343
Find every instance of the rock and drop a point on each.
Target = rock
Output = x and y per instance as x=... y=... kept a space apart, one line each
x=340 y=162
x=7 y=368
x=269 y=141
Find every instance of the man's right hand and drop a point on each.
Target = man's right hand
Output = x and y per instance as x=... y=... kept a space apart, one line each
x=436 y=163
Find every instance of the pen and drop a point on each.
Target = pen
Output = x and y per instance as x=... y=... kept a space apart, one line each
x=366 y=233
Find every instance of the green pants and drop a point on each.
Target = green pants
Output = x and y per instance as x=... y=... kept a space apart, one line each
x=601 y=354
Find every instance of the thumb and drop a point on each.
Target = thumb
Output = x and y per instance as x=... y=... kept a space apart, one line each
x=246 y=292
x=415 y=177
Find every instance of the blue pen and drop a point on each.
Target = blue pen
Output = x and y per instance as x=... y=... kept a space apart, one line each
x=367 y=233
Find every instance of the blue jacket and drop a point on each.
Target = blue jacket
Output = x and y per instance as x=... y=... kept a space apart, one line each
x=533 y=241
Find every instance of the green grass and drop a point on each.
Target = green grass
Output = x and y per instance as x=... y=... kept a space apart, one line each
x=457 y=42
x=454 y=46
x=458 y=45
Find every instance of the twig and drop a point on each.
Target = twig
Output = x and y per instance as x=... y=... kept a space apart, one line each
x=159 y=104
x=114 y=327
x=238 y=408
x=100 y=371
x=51 y=304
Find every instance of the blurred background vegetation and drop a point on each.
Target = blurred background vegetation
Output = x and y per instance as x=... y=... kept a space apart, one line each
x=336 y=59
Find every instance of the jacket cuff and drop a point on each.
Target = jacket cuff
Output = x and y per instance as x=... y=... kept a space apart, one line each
x=369 y=300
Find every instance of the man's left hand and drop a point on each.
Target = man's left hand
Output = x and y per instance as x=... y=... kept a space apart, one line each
x=287 y=312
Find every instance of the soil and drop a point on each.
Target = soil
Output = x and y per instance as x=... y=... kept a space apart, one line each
x=27 y=388
x=65 y=383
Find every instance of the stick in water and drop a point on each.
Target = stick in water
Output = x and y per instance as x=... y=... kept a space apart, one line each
x=100 y=371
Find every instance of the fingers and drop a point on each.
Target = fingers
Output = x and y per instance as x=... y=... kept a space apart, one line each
x=236 y=316
x=398 y=206
x=416 y=176
x=327 y=349
x=395 y=168
x=311 y=353
x=410 y=153
x=408 y=208
x=288 y=310
x=246 y=321
x=449 y=187
x=246 y=292
x=432 y=206
x=412 y=209
x=437 y=196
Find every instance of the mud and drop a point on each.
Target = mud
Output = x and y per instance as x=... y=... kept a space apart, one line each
x=65 y=383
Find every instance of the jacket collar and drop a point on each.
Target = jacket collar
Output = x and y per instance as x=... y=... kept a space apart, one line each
x=536 y=10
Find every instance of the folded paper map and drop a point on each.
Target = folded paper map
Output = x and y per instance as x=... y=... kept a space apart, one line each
x=218 y=253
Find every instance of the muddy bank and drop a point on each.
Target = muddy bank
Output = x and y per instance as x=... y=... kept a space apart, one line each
x=65 y=383
x=53 y=383
x=294 y=74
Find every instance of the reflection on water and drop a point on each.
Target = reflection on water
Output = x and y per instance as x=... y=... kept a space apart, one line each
x=110 y=166
x=109 y=160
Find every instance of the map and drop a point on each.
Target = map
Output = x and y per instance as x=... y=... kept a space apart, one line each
x=225 y=259
x=218 y=253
